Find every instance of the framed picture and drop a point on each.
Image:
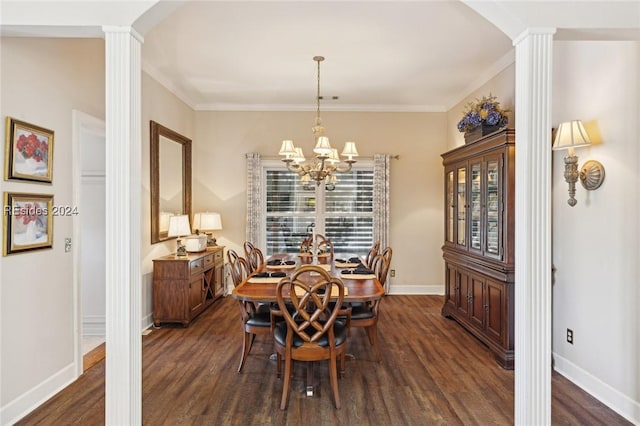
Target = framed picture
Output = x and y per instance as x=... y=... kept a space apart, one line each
x=28 y=152
x=28 y=222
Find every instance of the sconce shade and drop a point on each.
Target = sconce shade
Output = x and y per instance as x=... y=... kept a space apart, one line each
x=571 y=134
x=179 y=226
x=207 y=221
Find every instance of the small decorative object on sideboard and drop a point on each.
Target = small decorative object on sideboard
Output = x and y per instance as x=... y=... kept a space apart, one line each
x=482 y=117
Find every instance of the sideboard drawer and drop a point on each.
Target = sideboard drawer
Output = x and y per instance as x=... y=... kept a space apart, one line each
x=208 y=261
x=195 y=266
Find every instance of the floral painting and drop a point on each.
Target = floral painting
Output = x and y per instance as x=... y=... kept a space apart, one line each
x=28 y=222
x=29 y=152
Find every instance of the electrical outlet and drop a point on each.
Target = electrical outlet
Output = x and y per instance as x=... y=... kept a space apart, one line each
x=67 y=245
x=393 y=273
x=569 y=336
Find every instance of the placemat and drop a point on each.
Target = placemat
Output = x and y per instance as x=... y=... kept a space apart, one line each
x=346 y=265
x=281 y=266
x=357 y=276
x=266 y=280
x=334 y=291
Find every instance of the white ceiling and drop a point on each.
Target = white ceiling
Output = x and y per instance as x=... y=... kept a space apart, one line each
x=380 y=56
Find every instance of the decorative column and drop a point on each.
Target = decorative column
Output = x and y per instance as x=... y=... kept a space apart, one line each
x=533 y=227
x=123 y=188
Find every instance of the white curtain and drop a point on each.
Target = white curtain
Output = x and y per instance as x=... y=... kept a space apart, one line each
x=254 y=197
x=381 y=168
x=381 y=199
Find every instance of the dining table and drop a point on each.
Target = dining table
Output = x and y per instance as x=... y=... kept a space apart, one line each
x=257 y=288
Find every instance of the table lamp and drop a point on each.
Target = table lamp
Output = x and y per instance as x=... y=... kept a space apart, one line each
x=179 y=227
x=207 y=221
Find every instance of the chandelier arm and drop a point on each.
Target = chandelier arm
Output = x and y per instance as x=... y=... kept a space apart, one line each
x=292 y=167
x=346 y=169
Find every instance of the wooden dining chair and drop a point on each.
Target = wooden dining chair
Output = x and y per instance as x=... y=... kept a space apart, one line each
x=238 y=269
x=254 y=256
x=373 y=251
x=310 y=331
x=254 y=320
x=324 y=245
x=366 y=315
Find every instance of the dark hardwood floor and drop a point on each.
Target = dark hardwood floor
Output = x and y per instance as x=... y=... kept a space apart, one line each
x=189 y=378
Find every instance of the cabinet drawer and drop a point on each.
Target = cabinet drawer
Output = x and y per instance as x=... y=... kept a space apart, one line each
x=217 y=256
x=195 y=266
x=208 y=261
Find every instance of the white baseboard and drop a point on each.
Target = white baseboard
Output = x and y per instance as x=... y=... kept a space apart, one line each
x=94 y=325
x=147 y=321
x=436 y=289
x=36 y=396
x=612 y=398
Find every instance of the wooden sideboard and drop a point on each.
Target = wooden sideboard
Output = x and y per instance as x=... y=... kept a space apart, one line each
x=185 y=286
x=479 y=240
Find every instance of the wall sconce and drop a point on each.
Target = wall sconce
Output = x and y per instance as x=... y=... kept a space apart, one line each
x=570 y=135
x=179 y=227
x=207 y=222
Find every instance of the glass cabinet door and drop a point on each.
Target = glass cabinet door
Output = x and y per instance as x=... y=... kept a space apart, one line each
x=493 y=234
x=476 y=212
x=450 y=207
x=462 y=204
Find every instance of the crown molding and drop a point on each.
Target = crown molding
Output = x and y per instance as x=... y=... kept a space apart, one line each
x=341 y=108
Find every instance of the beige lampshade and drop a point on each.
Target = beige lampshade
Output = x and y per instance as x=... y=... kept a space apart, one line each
x=207 y=221
x=179 y=226
x=323 y=147
x=350 y=150
x=333 y=157
x=571 y=134
x=298 y=157
x=287 y=149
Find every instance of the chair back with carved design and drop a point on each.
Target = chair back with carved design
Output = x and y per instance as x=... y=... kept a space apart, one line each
x=323 y=244
x=310 y=331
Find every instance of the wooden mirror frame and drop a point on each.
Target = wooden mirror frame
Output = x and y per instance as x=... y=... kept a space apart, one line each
x=156 y=131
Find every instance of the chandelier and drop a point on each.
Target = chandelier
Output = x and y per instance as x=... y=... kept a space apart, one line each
x=326 y=163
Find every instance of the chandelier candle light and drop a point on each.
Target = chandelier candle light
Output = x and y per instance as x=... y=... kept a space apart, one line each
x=326 y=162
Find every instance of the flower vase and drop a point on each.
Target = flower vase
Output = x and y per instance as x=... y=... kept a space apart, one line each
x=478 y=132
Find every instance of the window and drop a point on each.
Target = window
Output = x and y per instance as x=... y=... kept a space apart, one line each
x=344 y=215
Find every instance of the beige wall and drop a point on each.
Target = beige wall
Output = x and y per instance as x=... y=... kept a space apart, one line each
x=159 y=105
x=223 y=138
x=42 y=81
x=502 y=86
x=595 y=243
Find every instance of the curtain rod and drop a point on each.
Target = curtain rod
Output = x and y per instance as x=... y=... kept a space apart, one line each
x=273 y=157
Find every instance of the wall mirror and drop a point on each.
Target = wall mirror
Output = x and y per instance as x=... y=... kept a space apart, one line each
x=170 y=178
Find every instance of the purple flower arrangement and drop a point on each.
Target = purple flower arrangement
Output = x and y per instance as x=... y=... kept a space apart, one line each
x=485 y=111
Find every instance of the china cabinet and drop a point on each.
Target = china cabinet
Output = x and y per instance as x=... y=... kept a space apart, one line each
x=479 y=240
